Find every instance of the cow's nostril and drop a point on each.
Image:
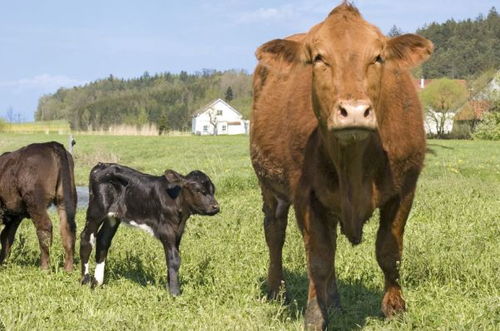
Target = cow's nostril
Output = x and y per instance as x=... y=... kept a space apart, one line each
x=368 y=111
x=343 y=111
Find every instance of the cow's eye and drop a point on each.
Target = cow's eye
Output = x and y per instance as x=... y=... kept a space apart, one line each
x=379 y=59
x=319 y=59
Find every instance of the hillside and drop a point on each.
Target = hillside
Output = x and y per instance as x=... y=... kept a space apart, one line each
x=463 y=49
x=166 y=99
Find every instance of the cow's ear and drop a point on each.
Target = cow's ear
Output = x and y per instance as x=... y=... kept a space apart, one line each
x=175 y=183
x=281 y=51
x=409 y=50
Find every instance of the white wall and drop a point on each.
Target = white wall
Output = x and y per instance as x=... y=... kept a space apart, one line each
x=226 y=121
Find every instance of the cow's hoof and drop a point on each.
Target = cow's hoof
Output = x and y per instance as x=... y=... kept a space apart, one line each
x=393 y=303
x=278 y=292
x=175 y=292
x=94 y=283
x=86 y=279
x=314 y=319
x=68 y=267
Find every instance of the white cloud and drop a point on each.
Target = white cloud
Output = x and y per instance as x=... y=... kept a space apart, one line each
x=282 y=13
x=43 y=82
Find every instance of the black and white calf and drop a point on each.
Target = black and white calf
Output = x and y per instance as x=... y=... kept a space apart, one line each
x=159 y=205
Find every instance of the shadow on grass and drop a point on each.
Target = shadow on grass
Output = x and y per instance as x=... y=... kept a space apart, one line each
x=359 y=303
x=432 y=151
x=132 y=268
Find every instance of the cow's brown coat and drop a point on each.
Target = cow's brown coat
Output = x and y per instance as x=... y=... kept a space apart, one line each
x=301 y=158
x=32 y=178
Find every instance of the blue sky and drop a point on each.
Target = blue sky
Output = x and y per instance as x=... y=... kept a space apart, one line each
x=47 y=44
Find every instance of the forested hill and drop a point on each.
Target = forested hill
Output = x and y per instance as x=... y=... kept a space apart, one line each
x=168 y=100
x=463 y=49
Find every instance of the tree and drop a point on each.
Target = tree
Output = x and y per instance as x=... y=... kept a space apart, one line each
x=489 y=127
x=212 y=114
x=229 y=94
x=441 y=98
x=163 y=124
x=394 y=32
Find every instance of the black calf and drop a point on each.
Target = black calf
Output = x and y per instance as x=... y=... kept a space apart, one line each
x=159 y=205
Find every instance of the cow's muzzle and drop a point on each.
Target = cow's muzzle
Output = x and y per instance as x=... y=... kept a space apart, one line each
x=352 y=120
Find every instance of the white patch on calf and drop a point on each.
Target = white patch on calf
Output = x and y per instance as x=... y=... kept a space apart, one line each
x=92 y=240
x=86 y=267
x=143 y=227
x=99 y=272
x=111 y=214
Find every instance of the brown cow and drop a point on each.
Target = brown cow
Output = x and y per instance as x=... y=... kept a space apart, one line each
x=337 y=131
x=31 y=179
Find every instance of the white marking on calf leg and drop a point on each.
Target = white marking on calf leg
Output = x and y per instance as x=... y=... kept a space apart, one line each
x=99 y=272
x=92 y=240
x=86 y=267
x=143 y=227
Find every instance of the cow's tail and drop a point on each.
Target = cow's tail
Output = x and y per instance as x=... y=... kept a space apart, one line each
x=68 y=186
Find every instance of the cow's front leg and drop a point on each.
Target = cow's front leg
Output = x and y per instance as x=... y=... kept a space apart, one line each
x=173 y=257
x=389 y=249
x=319 y=239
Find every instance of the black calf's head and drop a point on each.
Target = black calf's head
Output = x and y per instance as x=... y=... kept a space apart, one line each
x=197 y=190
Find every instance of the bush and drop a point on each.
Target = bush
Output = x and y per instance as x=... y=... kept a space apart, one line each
x=489 y=128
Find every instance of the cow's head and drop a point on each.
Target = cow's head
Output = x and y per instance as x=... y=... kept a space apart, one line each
x=348 y=56
x=197 y=189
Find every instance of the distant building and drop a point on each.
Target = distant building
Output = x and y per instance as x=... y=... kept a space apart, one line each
x=219 y=118
x=431 y=118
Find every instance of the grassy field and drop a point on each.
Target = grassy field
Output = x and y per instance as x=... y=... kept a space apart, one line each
x=450 y=272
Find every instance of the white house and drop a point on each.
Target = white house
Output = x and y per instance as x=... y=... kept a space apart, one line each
x=219 y=118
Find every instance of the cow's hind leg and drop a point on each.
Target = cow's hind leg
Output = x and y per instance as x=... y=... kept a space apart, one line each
x=104 y=238
x=275 y=223
x=87 y=242
x=389 y=249
x=43 y=226
x=67 y=228
x=7 y=236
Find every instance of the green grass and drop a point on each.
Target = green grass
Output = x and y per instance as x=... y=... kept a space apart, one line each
x=450 y=272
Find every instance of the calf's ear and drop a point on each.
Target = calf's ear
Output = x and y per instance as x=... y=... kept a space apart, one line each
x=175 y=182
x=281 y=51
x=409 y=50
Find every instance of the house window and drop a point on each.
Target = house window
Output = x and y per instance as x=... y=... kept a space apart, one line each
x=219 y=112
x=224 y=128
x=205 y=128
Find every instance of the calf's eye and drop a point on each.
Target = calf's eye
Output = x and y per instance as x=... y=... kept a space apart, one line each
x=379 y=59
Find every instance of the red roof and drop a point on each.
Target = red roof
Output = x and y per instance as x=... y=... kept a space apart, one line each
x=473 y=110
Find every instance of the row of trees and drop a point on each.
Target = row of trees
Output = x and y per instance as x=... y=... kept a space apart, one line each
x=167 y=99
x=463 y=49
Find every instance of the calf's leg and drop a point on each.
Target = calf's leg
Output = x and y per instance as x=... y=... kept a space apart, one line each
x=389 y=249
x=7 y=236
x=275 y=223
x=173 y=257
x=87 y=241
x=104 y=238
